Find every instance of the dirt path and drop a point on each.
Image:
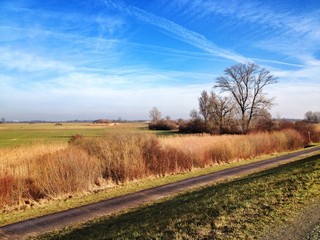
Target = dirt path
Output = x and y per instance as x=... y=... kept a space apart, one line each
x=35 y=226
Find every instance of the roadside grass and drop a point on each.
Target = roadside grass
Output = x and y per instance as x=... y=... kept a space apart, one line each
x=244 y=208
x=49 y=206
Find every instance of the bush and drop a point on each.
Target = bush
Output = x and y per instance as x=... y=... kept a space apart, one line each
x=66 y=171
x=120 y=155
x=192 y=126
x=125 y=157
x=307 y=130
x=163 y=125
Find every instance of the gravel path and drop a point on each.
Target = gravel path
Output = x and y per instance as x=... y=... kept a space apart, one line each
x=40 y=225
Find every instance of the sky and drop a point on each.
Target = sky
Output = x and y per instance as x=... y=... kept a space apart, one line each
x=91 y=59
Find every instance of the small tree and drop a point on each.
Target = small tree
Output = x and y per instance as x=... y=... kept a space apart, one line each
x=3 y=120
x=205 y=108
x=217 y=111
x=155 y=115
x=222 y=112
x=246 y=83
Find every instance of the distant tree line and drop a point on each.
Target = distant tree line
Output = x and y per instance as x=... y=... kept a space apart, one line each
x=237 y=104
x=158 y=123
x=312 y=117
x=240 y=105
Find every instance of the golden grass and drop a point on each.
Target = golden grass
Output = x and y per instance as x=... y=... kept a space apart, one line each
x=17 y=168
x=208 y=149
x=18 y=160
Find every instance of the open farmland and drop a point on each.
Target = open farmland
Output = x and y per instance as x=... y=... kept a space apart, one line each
x=17 y=134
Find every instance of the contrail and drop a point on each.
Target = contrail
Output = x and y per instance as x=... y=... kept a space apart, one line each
x=193 y=38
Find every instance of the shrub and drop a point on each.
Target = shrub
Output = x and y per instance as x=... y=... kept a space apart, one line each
x=67 y=171
x=308 y=131
x=120 y=155
x=192 y=126
x=163 y=125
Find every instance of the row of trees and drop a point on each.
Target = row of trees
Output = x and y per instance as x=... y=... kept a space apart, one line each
x=240 y=103
x=158 y=123
x=313 y=117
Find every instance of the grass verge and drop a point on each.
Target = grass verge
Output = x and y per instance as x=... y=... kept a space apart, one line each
x=243 y=208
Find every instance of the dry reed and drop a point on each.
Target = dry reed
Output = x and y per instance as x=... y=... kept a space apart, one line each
x=41 y=171
x=208 y=149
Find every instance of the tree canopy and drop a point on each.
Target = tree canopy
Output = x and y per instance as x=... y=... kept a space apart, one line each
x=246 y=83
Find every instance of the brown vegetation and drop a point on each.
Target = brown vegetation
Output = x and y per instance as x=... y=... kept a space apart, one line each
x=163 y=125
x=86 y=164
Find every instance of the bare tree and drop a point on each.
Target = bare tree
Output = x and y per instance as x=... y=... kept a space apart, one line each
x=217 y=111
x=222 y=111
x=194 y=114
x=312 y=117
x=205 y=106
x=246 y=83
x=155 y=115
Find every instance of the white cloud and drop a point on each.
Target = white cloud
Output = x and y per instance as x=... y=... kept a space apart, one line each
x=91 y=101
x=309 y=73
x=257 y=12
x=294 y=100
x=26 y=62
x=288 y=31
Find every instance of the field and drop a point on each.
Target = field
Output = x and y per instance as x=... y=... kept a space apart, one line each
x=40 y=172
x=233 y=210
x=12 y=135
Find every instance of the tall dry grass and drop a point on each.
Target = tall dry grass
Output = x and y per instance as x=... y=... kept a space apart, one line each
x=207 y=150
x=37 y=172
x=124 y=157
x=17 y=167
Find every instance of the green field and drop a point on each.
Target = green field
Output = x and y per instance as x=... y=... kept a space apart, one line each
x=15 y=134
x=245 y=208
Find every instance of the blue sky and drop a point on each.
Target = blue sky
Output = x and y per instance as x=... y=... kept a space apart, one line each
x=89 y=59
